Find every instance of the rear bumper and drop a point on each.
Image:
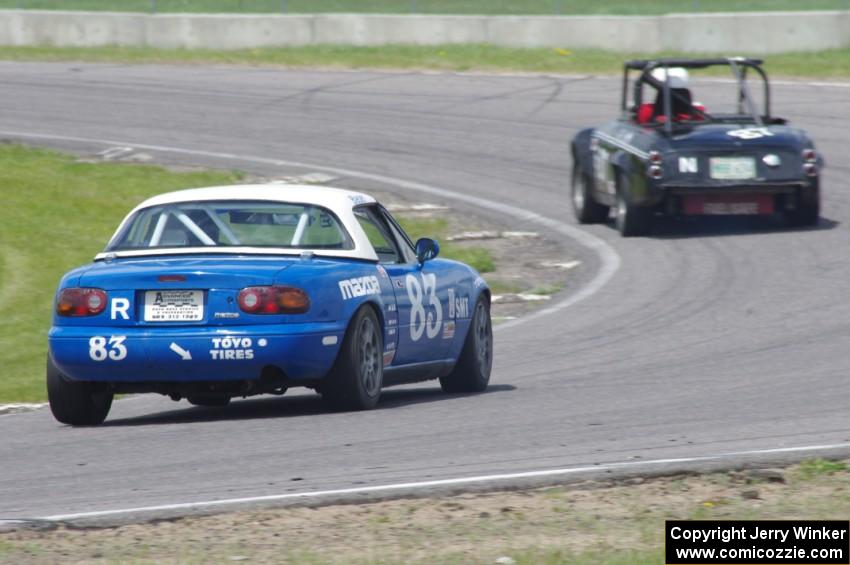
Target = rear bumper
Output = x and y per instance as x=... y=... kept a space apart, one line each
x=703 y=190
x=137 y=355
x=772 y=197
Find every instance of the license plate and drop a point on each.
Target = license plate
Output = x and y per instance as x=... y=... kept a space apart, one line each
x=174 y=305
x=729 y=205
x=733 y=168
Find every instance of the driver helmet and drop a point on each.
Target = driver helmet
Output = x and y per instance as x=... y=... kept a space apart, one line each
x=676 y=77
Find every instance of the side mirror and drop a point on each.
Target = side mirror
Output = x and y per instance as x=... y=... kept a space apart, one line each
x=426 y=249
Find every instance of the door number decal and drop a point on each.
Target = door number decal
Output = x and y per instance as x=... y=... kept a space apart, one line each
x=424 y=320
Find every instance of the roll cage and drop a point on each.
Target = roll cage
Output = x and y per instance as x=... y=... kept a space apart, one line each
x=739 y=67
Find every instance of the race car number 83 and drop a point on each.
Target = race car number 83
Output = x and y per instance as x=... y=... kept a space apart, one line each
x=100 y=348
x=421 y=321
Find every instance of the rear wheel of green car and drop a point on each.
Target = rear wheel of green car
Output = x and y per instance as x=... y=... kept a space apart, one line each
x=807 y=211
x=586 y=209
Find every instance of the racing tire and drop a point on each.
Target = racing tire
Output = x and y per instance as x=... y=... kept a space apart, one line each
x=631 y=220
x=76 y=403
x=209 y=400
x=585 y=207
x=472 y=370
x=354 y=382
x=807 y=212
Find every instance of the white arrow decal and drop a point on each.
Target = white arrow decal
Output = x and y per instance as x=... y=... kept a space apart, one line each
x=185 y=355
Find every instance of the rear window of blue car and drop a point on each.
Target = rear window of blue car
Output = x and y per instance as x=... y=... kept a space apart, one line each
x=233 y=224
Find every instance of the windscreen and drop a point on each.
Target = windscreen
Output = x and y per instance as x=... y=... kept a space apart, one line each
x=232 y=224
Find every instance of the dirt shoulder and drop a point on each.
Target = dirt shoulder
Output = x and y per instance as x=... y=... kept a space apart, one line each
x=584 y=523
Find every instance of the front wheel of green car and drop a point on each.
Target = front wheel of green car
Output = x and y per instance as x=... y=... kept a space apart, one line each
x=631 y=219
x=585 y=207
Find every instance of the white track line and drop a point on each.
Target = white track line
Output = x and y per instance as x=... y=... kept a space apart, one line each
x=20 y=407
x=609 y=259
x=424 y=485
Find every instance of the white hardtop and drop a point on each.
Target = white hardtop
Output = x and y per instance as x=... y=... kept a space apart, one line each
x=340 y=202
x=334 y=199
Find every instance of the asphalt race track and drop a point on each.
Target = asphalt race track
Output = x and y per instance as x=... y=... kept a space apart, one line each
x=714 y=343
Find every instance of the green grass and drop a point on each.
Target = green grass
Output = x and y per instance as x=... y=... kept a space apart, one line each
x=437 y=228
x=478 y=258
x=813 y=468
x=57 y=214
x=503 y=287
x=417 y=227
x=547 y=289
x=566 y=7
x=832 y=63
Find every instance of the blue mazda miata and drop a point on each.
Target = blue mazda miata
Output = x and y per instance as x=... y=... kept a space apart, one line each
x=214 y=293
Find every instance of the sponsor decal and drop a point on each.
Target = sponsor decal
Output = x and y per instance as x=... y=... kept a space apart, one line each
x=226 y=315
x=391 y=308
x=388 y=357
x=479 y=282
x=731 y=208
x=600 y=166
x=359 y=286
x=603 y=171
x=772 y=160
x=458 y=305
x=231 y=348
x=728 y=204
x=750 y=133
x=357 y=199
x=449 y=330
x=383 y=272
x=688 y=165
x=175 y=298
x=174 y=306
